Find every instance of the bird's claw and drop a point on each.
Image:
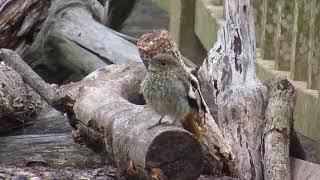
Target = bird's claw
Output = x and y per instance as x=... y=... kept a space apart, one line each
x=158 y=124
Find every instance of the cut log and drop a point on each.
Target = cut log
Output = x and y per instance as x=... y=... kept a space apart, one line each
x=109 y=117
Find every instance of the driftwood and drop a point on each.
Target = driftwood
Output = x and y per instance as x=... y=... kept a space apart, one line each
x=62 y=40
x=19 y=103
x=109 y=117
x=243 y=114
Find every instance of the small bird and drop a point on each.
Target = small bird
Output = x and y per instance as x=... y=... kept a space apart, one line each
x=168 y=90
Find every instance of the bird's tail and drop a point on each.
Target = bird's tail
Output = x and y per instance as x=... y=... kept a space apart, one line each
x=191 y=125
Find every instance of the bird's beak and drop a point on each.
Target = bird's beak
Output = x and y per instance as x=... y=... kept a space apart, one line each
x=146 y=62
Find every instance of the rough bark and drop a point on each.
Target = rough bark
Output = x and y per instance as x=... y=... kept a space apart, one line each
x=229 y=74
x=276 y=133
x=108 y=118
x=19 y=104
x=259 y=133
x=20 y=21
x=45 y=90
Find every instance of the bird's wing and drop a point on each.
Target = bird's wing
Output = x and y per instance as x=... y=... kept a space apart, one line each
x=195 y=99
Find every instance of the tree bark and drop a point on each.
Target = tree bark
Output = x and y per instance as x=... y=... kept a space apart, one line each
x=45 y=90
x=276 y=134
x=229 y=74
x=109 y=117
x=20 y=21
x=19 y=104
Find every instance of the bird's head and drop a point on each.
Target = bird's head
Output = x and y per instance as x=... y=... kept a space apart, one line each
x=163 y=62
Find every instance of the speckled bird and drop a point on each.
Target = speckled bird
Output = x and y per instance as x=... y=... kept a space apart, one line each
x=168 y=90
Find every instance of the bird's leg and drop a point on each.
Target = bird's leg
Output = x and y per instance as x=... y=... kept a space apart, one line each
x=172 y=123
x=158 y=123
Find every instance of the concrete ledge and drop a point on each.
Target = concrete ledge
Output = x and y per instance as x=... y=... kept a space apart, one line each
x=208 y=19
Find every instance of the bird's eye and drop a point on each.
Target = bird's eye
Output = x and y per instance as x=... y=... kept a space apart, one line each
x=163 y=63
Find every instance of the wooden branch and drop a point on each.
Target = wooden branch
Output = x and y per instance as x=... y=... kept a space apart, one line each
x=45 y=90
x=279 y=124
x=229 y=74
x=109 y=118
x=19 y=104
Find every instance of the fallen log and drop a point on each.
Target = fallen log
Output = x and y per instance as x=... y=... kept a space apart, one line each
x=109 y=117
x=63 y=40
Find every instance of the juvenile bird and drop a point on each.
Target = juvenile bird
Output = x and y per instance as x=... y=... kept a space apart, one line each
x=168 y=90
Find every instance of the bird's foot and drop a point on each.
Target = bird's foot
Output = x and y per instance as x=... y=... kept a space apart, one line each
x=158 y=124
